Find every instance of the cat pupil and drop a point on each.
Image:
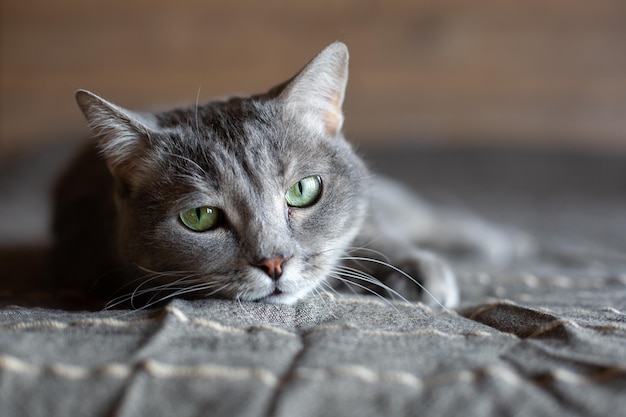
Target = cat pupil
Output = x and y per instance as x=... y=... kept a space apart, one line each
x=300 y=187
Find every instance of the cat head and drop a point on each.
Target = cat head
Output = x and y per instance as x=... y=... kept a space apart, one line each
x=250 y=198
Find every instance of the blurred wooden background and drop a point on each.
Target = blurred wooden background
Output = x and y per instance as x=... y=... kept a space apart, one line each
x=454 y=72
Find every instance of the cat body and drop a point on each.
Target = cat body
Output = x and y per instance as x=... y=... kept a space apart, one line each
x=255 y=199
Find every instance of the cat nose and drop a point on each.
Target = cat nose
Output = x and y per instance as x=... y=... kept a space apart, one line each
x=273 y=267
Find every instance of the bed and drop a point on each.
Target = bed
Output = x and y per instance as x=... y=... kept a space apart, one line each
x=543 y=336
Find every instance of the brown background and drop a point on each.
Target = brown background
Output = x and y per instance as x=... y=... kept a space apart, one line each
x=548 y=73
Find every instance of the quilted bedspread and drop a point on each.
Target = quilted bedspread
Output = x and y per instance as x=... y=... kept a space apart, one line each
x=544 y=336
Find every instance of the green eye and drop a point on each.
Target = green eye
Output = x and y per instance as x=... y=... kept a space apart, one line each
x=305 y=192
x=201 y=219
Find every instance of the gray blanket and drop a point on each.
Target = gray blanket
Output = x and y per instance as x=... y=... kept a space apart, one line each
x=544 y=336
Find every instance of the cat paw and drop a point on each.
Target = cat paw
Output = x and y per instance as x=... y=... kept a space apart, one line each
x=501 y=246
x=427 y=278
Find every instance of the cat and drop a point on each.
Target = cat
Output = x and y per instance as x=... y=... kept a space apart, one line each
x=258 y=198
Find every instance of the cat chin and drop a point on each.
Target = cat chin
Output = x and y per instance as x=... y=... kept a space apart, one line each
x=284 y=298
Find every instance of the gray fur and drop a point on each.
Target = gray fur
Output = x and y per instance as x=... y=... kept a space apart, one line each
x=116 y=215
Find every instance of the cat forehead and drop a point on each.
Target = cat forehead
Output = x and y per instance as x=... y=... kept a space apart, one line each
x=255 y=162
x=239 y=130
x=220 y=115
x=238 y=121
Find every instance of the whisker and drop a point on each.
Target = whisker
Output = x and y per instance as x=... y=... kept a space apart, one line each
x=330 y=290
x=182 y=291
x=196 y=110
x=401 y=272
x=352 y=249
x=364 y=287
x=360 y=275
x=319 y=295
x=243 y=308
x=192 y=162
x=197 y=288
x=173 y=291
x=186 y=282
x=165 y=286
x=163 y=273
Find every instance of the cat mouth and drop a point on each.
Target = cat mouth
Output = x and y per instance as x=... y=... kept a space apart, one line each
x=276 y=293
x=277 y=296
x=281 y=295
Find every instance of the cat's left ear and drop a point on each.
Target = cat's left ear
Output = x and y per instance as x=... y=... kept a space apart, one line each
x=317 y=92
x=122 y=135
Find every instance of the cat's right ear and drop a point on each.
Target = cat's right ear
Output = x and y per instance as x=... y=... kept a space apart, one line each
x=316 y=93
x=122 y=135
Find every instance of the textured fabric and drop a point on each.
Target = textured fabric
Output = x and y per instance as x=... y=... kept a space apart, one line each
x=341 y=356
x=544 y=336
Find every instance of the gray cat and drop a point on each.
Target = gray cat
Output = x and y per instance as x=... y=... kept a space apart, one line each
x=255 y=199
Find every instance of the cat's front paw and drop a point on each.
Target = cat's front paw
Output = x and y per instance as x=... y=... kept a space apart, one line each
x=425 y=277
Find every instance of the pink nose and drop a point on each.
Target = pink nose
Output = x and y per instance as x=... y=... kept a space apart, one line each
x=272 y=266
